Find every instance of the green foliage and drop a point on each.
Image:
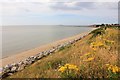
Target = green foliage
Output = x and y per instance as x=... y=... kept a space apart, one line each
x=62 y=48
x=99 y=31
x=113 y=27
x=54 y=64
x=68 y=74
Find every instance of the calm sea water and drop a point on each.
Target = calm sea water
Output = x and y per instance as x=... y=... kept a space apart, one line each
x=17 y=39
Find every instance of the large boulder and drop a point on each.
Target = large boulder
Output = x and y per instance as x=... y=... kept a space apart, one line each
x=21 y=66
x=14 y=67
x=7 y=68
x=46 y=53
x=39 y=56
x=27 y=62
x=5 y=71
x=52 y=50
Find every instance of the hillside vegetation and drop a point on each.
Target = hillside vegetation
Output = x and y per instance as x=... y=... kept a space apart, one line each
x=94 y=56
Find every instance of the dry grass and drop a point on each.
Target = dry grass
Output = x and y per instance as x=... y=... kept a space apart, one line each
x=74 y=54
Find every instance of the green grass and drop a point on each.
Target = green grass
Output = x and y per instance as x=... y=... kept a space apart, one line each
x=48 y=66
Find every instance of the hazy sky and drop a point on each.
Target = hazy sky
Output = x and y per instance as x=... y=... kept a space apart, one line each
x=58 y=12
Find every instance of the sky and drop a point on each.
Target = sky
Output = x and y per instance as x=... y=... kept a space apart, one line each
x=58 y=12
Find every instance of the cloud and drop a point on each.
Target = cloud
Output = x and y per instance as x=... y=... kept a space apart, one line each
x=22 y=8
x=98 y=9
x=83 y=5
x=18 y=9
x=72 y=5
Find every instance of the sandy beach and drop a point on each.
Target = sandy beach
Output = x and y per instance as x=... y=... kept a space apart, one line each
x=21 y=56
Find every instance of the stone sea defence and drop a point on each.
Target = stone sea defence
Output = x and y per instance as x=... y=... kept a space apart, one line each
x=15 y=67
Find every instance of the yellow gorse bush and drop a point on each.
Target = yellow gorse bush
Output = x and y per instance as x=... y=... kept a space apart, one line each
x=68 y=67
x=68 y=71
x=97 y=44
x=113 y=68
x=101 y=43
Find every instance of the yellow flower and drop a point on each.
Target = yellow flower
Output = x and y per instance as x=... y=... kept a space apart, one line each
x=68 y=67
x=88 y=54
x=73 y=67
x=114 y=69
x=99 y=44
x=89 y=59
x=62 y=69
x=94 y=49
x=96 y=44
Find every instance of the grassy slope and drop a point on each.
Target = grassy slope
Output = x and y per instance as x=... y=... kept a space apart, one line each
x=48 y=66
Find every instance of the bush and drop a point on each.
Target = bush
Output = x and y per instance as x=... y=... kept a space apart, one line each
x=99 y=31
x=68 y=71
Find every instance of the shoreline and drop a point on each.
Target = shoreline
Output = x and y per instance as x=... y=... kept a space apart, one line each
x=23 y=55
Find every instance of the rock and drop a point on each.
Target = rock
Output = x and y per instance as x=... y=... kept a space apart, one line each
x=7 y=68
x=66 y=43
x=75 y=40
x=10 y=74
x=35 y=57
x=3 y=75
x=52 y=50
x=60 y=46
x=20 y=63
x=32 y=58
x=14 y=67
x=21 y=67
x=14 y=64
x=5 y=71
x=40 y=55
x=46 y=53
x=71 y=42
x=27 y=61
x=80 y=38
x=1 y=70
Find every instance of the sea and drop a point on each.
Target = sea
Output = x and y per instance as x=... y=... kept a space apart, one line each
x=19 y=38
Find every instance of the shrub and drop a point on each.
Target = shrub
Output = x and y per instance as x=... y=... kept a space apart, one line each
x=68 y=71
x=99 y=31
